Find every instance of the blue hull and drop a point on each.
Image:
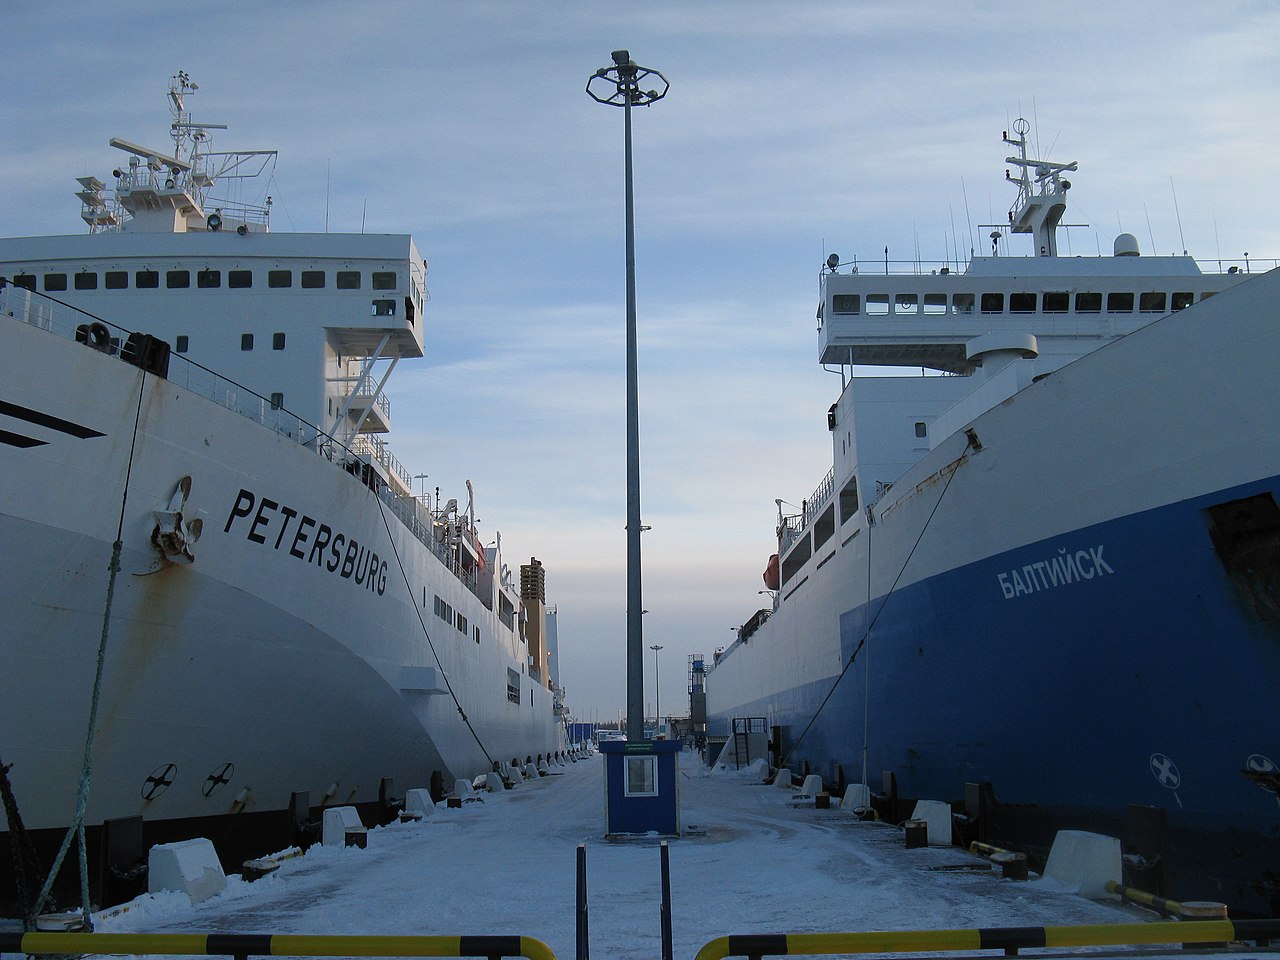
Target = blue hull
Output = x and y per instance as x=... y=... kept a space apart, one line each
x=1123 y=663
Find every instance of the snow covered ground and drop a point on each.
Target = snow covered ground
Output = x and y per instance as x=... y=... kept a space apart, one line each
x=754 y=863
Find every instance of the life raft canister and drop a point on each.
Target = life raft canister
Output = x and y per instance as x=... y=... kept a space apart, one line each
x=771 y=573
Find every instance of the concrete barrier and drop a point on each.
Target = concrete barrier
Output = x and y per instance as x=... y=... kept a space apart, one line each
x=530 y=772
x=783 y=779
x=937 y=814
x=189 y=866
x=812 y=786
x=341 y=827
x=493 y=782
x=418 y=802
x=856 y=795
x=1084 y=863
x=462 y=789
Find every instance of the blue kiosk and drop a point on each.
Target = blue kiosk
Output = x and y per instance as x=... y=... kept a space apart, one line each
x=641 y=787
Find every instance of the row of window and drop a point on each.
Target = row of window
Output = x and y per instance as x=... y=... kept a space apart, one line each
x=1052 y=301
x=445 y=612
x=182 y=342
x=824 y=529
x=207 y=280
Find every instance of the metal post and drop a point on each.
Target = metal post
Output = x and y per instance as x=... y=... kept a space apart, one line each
x=584 y=944
x=625 y=76
x=667 y=952
x=657 y=691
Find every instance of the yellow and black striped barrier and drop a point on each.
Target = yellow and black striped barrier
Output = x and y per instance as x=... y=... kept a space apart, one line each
x=1008 y=939
x=267 y=945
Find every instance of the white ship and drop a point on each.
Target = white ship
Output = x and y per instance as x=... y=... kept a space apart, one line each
x=282 y=624
x=1050 y=569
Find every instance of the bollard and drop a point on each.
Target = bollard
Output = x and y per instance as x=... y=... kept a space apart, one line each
x=1013 y=866
x=1203 y=910
x=917 y=834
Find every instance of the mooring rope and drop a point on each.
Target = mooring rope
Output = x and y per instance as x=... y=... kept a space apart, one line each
x=871 y=622
x=76 y=829
x=422 y=623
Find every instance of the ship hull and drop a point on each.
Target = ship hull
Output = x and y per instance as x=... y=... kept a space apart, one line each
x=1072 y=611
x=271 y=665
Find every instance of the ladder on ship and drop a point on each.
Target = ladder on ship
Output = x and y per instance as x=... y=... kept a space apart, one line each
x=743 y=730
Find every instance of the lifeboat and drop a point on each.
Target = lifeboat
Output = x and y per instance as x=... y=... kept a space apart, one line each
x=771 y=579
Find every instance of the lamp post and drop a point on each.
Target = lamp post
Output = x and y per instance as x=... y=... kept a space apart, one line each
x=619 y=86
x=657 y=691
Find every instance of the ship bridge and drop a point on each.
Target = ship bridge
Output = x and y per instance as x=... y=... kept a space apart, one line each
x=939 y=318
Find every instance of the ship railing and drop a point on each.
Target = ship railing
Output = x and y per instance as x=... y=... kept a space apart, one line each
x=884 y=267
x=62 y=320
x=793 y=526
x=376 y=449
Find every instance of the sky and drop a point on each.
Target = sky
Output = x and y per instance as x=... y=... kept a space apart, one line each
x=791 y=130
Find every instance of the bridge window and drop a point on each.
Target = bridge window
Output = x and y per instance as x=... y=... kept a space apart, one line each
x=1183 y=300
x=993 y=303
x=1056 y=301
x=962 y=303
x=246 y=341
x=1119 y=303
x=935 y=304
x=86 y=281
x=177 y=279
x=1088 y=303
x=312 y=279
x=117 y=280
x=348 y=279
x=208 y=279
x=239 y=279
x=147 y=279
x=277 y=401
x=384 y=280
x=384 y=308
x=877 y=304
x=180 y=343
x=846 y=303
x=907 y=303
x=55 y=281
x=277 y=341
x=1022 y=303
x=279 y=278
x=1152 y=302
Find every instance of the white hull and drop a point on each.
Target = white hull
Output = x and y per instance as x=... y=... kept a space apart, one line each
x=253 y=656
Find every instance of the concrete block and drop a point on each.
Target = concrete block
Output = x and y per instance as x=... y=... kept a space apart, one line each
x=493 y=782
x=937 y=814
x=418 y=802
x=530 y=772
x=462 y=789
x=783 y=779
x=812 y=785
x=1084 y=862
x=189 y=866
x=338 y=822
x=856 y=795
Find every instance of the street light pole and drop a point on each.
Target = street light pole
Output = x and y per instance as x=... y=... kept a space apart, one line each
x=624 y=78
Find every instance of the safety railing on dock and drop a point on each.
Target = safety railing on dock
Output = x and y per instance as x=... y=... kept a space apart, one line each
x=244 y=945
x=1008 y=939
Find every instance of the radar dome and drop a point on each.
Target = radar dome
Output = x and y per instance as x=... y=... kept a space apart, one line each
x=1126 y=245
